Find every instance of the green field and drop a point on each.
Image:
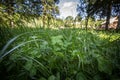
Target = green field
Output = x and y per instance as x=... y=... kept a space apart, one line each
x=62 y=54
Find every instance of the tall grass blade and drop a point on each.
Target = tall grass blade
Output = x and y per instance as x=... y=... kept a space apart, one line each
x=16 y=47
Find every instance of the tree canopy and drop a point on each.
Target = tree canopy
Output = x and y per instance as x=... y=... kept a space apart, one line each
x=27 y=9
x=37 y=7
x=100 y=7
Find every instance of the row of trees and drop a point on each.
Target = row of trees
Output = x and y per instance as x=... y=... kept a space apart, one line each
x=45 y=8
x=48 y=10
x=79 y=22
x=103 y=8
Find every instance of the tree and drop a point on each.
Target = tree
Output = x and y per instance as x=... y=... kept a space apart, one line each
x=82 y=8
x=69 y=21
x=69 y=18
x=106 y=8
x=50 y=10
x=94 y=7
x=78 y=18
x=9 y=9
x=31 y=8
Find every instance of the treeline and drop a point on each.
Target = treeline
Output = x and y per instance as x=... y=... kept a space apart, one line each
x=18 y=11
x=12 y=11
x=101 y=8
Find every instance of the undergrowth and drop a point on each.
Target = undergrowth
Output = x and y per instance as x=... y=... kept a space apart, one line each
x=66 y=54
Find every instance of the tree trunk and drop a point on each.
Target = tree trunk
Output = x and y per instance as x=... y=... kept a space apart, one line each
x=75 y=23
x=100 y=17
x=108 y=16
x=42 y=21
x=118 y=24
x=48 y=21
x=86 y=23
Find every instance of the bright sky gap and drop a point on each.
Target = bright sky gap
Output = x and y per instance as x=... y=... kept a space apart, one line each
x=68 y=8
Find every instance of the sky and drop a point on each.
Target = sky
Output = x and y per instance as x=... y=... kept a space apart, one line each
x=68 y=8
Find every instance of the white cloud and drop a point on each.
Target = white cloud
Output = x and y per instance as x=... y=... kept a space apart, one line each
x=68 y=4
x=68 y=8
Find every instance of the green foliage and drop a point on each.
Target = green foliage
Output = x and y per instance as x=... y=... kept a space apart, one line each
x=81 y=76
x=18 y=12
x=98 y=23
x=104 y=65
x=68 y=54
x=78 y=18
x=69 y=18
x=69 y=21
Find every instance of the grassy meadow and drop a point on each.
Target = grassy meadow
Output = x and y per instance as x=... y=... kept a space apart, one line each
x=34 y=53
x=59 y=39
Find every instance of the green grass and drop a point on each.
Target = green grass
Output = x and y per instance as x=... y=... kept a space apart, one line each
x=66 y=54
